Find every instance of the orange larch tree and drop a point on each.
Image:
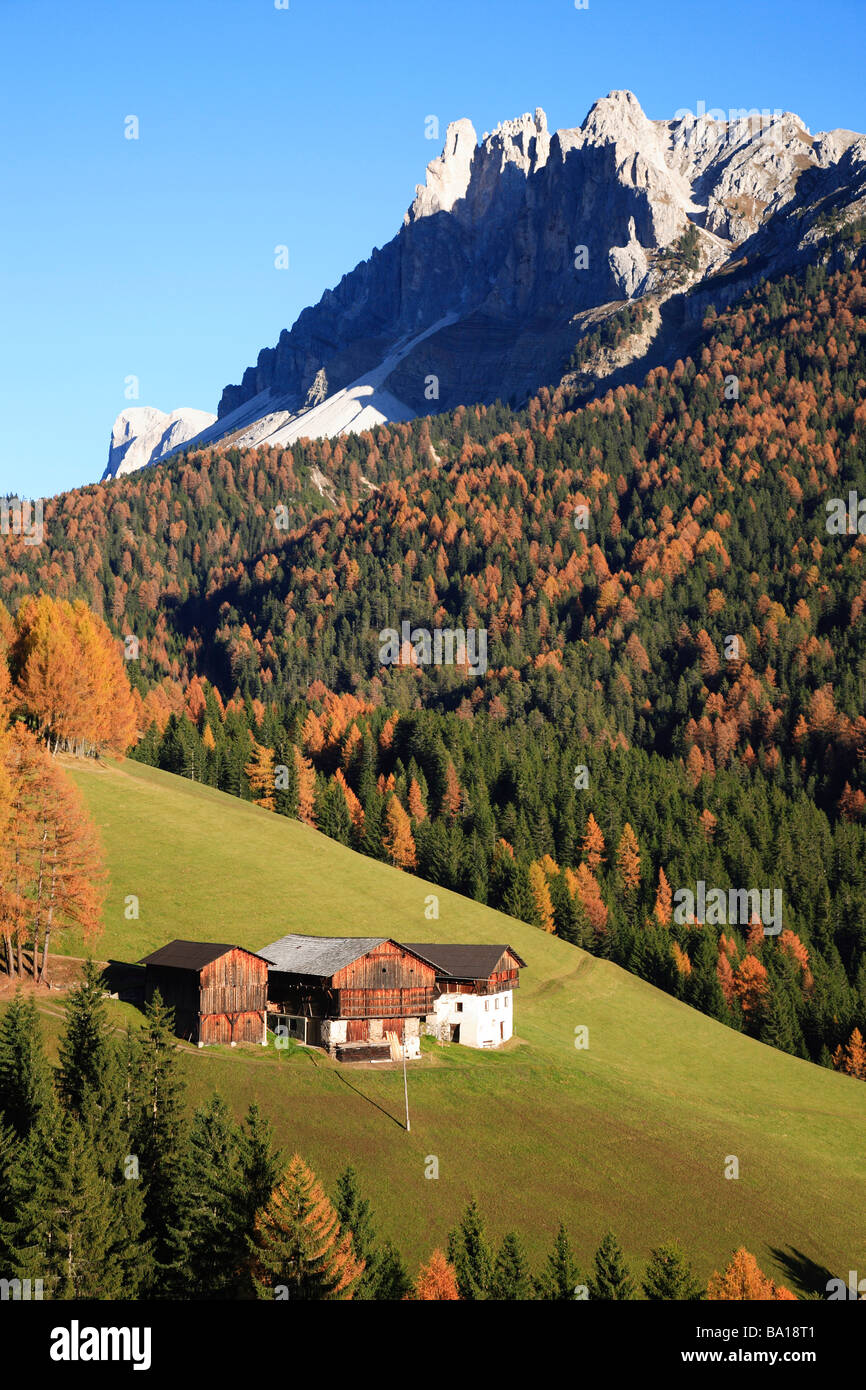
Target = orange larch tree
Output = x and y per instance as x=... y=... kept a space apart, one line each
x=72 y=871
x=298 y=1245
x=628 y=860
x=306 y=787
x=356 y=810
x=852 y=1058
x=589 y=893
x=71 y=678
x=417 y=809
x=663 y=909
x=743 y=1279
x=397 y=840
x=726 y=978
x=541 y=894
x=437 y=1280
x=593 y=844
x=260 y=774
x=451 y=797
x=751 y=985
x=51 y=869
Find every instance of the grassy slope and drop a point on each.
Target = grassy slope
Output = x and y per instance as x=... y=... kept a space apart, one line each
x=630 y=1134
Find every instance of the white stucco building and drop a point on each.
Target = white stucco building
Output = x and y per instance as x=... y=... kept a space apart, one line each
x=475 y=986
x=473 y=1020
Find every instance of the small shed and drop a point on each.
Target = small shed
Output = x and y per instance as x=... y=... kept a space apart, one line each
x=219 y=992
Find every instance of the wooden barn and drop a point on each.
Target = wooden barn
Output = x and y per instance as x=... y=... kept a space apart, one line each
x=474 y=986
x=349 y=994
x=219 y=993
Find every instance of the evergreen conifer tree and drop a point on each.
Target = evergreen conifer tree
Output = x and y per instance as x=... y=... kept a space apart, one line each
x=610 y=1278
x=392 y=1277
x=355 y=1215
x=511 y=1280
x=669 y=1276
x=158 y=1140
x=470 y=1254
x=560 y=1276
x=25 y=1077
x=85 y=1050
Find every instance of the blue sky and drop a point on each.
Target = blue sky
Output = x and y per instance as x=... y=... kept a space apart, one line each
x=305 y=127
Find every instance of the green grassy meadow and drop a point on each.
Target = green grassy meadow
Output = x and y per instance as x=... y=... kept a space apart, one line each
x=631 y=1133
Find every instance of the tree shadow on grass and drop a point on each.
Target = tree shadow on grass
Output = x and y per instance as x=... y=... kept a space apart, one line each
x=802 y=1271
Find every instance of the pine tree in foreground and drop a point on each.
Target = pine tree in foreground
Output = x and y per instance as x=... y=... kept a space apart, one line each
x=392 y=1277
x=611 y=1278
x=669 y=1276
x=92 y=1251
x=212 y=1237
x=25 y=1077
x=70 y=1227
x=470 y=1254
x=93 y=1090
x=259 y=1162
x=297 y=1248
x=158 y=1132
x=355 y=1215
x=560 y=1276
x=85 y=1051
x=511 y=1278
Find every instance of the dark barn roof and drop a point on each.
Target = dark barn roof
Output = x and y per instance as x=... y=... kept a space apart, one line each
x=476 y=962
x=191 y=955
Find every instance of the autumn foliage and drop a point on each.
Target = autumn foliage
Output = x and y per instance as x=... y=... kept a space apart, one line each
x=298 y=1245
x=51 y=870
x=743 y=1279
x=436 y=1280
x=70 y=678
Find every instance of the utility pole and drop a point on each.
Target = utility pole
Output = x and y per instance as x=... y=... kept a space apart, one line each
x=405 y=1082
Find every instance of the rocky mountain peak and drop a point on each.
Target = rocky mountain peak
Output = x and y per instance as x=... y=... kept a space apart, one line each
x=448 y=175
x=515 y=243
x=142 y=435
x=468 y=174
x=618 y=116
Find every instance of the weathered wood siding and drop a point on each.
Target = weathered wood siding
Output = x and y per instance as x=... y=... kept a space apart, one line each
x=384 y=1003
x=386 y=967
x=234 y=983
x=501 y=980
x=225 y=1001
x=229 y=1028
x=389 y=982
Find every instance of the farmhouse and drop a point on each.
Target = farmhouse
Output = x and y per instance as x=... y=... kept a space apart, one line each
x=360 y=996
x=356 y=996
x=474 y=985
x=218 y=992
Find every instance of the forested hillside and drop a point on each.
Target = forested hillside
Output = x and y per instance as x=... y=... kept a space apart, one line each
x=676 y=653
